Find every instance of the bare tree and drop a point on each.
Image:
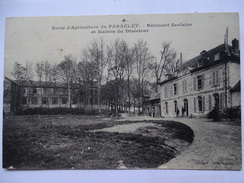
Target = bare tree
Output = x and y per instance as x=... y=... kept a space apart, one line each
x=96 y=54
x=66 y=73
x=116 y=67
x=142 y=66
x=39 y=70
x=165 y=62
x=86 y=75
x=129 y=55
x=21 y=73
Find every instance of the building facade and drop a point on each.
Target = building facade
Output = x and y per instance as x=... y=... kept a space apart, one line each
x=152 y=106
x=203 y=83
x=36 y=94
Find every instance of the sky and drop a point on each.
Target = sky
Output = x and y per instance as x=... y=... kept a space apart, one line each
x=33 y=39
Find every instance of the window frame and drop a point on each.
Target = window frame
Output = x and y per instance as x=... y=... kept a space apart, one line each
x=34 y=99
x=175 y=88
x=200 y=103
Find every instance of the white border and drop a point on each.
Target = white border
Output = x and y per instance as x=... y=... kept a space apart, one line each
x=20 y=8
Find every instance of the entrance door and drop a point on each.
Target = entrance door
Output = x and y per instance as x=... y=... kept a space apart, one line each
x=186 y=106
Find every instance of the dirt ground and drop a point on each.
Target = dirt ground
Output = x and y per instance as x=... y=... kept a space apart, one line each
x=82 y=142
x=217 y=145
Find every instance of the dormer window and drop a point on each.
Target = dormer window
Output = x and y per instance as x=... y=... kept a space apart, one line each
x=200 y=63
x=217 y=56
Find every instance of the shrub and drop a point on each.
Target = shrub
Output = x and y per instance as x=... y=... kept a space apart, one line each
x=215 y=114
x=229 y=113
x=52 y=111
x=233 y=112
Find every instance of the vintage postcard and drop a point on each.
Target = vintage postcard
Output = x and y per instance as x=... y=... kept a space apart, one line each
x=122 y=92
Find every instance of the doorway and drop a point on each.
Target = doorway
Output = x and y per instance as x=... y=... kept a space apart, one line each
x=186 y=106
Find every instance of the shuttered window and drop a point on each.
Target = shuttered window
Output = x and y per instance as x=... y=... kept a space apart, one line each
x=216 y=80
x=184 y=86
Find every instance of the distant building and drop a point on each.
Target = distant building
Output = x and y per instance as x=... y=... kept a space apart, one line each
x=210 y=80
x=151 y=105
x=33 y=94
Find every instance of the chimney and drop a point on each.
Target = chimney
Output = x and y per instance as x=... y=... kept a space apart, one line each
x=203 y=51
x=235 y=45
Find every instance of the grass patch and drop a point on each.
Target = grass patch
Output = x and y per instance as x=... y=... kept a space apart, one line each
x=64 y=142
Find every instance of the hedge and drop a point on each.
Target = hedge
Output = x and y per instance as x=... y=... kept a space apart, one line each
x=57 y=110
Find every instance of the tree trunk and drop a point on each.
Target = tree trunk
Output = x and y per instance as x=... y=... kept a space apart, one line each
x=128 y=89
x=69 y=96
x=99 y=97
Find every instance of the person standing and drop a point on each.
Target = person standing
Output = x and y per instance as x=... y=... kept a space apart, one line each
x=177 y=112
x=183 y=111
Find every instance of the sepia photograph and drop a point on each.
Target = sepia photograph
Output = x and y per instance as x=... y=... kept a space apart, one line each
x=157 y=91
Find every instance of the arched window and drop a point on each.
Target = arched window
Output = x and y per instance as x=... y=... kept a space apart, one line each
x=175 y=104
x=216 y=101
x=166 y=107
x=199 y=100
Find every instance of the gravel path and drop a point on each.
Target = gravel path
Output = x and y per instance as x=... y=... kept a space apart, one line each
x=126 y=128
x=215 y=146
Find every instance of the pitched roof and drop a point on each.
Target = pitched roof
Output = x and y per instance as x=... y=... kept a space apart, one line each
x=154 y=96
x=208 y=59
x=206 y=56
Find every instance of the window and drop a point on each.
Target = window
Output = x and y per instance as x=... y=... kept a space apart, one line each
x=54 y=101
x=184 y=85
x=200 y=63
x=24 y=90
x=64 y=101
x=34 y=100
x=217 y=56
x=166 y=108
x=175 y=88
x=216 y=101
x=175 y=104
x=24 y=100
x=198 y=82
x=199 y=100
x=215 y=78
x=34 y=91
x=44 y=101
